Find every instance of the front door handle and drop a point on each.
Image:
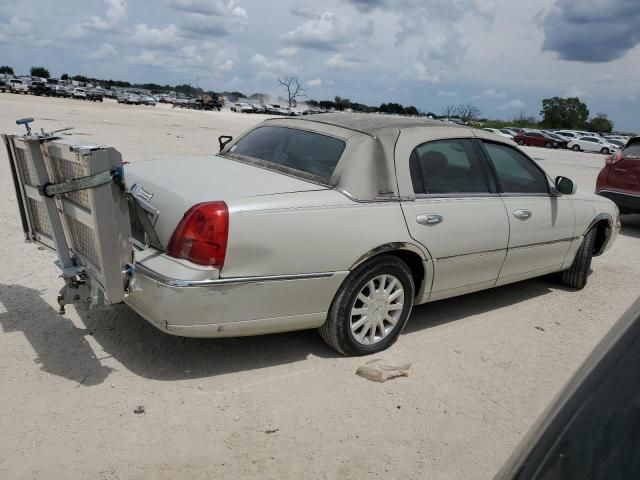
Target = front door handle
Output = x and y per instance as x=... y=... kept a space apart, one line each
x=429 y=219
x=522 y=214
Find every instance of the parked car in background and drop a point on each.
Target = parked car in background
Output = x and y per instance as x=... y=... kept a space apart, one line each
x=560 y=142
x=535 y=138
x=619 y=179
x=499 y=132
x=80 y=93
x=257 y=108
x=148 y=100
x=17 y=85
x=592 y=144
x=95 y=94
x=57 y=90
x=241 y=107
x=39 y=88
x=275 y=110
x=617 y=143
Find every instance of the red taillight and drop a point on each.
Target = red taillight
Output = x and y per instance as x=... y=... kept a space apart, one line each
x=613 y=159
x=201 y=235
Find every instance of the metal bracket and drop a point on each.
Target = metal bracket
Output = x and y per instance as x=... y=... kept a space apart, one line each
x=75 y=291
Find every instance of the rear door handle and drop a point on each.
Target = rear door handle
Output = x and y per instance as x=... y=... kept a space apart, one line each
x=522 y=214
x=429 y=219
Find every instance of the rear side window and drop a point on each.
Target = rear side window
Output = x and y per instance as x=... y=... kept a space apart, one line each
x=310 y=153
x=447 y=167
x=516 y=173
x=632 y=150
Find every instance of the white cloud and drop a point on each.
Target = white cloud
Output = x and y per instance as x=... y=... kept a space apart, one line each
x=446 y=93
x=115 y=16
x=218 y=8
x=103 y=52
x=326 y=32
x=264 y=63
x=422 y=73
x=341 y=62
x=575 y=91
x=512 y=105
x=207 y=58
x=316 y=82
x=288 y=51
x=490 y=93
x=116 y=10
x=155 y=37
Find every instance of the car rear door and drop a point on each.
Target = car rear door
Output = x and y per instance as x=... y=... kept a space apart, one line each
x=541 y=225
x=451 y=208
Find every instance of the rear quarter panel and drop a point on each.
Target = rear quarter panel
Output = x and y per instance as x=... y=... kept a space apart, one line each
x=307 y=232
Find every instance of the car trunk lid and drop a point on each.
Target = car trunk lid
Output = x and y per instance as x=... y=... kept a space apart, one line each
x=168 y=188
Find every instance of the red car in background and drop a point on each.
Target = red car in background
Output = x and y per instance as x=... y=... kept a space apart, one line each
x=539 y=139
x=619 y=180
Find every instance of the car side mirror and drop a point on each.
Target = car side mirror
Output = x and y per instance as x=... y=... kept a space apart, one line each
x=565 y=186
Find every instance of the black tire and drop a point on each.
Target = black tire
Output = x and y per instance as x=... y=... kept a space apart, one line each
x=521 y=143
x=604 y=151
x=336 y=330
x=548 y=145
x=576 y=148
x=576 y=275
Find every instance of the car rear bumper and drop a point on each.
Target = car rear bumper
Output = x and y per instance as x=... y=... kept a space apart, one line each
x=227 y=307
x=625 y=201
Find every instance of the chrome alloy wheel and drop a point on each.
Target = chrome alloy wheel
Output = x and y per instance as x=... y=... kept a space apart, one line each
x=377 y=309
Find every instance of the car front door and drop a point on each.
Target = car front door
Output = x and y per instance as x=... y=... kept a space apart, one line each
x=541 y=225
x=451 y=208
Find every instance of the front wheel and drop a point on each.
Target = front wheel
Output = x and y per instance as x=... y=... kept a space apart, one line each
x=371 y=307
x=604 y=151
x=576 y=275
x=521 y=143
x=548 y=145
x=576 y=148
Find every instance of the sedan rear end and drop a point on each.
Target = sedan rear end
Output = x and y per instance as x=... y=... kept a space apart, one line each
x=619 y=180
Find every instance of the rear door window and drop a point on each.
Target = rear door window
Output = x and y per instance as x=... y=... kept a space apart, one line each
x=309 y=153
x=447 y=167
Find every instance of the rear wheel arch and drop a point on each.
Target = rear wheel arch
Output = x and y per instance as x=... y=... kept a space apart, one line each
x=410 y=254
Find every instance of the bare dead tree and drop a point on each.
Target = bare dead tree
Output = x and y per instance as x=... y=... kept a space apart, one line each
x=449 y=111
x=467 y=112
x=294 y=89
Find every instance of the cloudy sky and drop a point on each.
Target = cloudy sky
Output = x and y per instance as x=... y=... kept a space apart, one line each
x=502 y=55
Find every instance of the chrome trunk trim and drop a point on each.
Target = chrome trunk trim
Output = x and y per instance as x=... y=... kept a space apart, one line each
x=179 y=283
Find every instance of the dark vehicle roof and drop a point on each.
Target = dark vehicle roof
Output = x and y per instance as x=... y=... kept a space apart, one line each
x=370 y=123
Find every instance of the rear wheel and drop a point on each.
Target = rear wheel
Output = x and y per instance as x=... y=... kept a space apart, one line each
x=548 y=145
x=371 y=307
x=576 y=275
x=576 y=148
x=604 y=151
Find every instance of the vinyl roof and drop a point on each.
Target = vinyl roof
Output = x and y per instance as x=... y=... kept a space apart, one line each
x=369 y=122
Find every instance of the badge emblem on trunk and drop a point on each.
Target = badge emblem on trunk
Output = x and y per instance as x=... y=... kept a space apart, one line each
x=141 y=193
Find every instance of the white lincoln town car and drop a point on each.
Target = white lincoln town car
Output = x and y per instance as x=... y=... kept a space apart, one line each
x=344 y=222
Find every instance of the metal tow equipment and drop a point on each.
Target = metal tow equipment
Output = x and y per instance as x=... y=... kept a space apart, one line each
x=72 y=199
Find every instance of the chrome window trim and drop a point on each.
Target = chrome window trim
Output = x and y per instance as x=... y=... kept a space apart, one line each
x=179 y=283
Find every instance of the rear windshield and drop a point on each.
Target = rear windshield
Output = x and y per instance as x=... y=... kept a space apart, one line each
x=633 y=150
x=312 y=154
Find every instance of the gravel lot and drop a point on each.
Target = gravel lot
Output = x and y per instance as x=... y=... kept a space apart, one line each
x=278 y=406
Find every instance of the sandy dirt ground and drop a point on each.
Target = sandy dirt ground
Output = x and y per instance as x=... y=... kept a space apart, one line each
x=278 y=406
